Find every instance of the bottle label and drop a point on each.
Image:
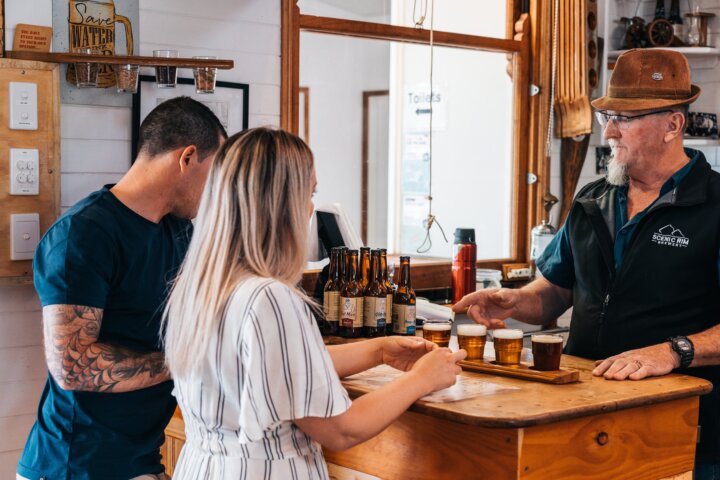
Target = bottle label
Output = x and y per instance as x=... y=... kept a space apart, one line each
x=331 y=306
x=388 y=309
x=351 y=312
x=375 y=312
x=404 y=319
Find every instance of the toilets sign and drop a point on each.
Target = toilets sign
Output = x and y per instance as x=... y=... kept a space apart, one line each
x=417 y=101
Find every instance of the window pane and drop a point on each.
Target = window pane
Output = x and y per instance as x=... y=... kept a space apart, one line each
x=472 y=115
x=486 y=18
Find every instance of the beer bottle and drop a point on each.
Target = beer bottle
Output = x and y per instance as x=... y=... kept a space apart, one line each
x=389 y=291
x=676 y=19
x=331 y=298
x=351 y=300
x=364 y=267
x=404 y=302
x=375 y=316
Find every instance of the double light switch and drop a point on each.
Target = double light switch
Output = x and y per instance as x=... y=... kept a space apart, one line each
x=23 y=106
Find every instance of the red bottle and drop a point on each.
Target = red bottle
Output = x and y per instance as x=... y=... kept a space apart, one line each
x=464 y=264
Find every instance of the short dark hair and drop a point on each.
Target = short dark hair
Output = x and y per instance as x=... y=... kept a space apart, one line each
x=179 y=122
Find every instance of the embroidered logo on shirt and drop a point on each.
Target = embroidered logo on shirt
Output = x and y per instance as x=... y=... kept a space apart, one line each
x=670 y=236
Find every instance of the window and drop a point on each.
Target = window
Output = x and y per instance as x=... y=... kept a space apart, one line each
x=369 y=95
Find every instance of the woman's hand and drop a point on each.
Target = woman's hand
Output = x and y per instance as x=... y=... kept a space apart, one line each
x=439 y=369
x=402 y=352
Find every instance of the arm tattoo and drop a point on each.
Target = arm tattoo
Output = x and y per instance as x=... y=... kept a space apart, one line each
x=77 y=361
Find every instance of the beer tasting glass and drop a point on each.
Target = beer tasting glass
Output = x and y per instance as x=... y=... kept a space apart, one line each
x=547 y=350
x=437 y=332
x=508 y=346
x=471 y=338
x=166 y=77
x=205 y=76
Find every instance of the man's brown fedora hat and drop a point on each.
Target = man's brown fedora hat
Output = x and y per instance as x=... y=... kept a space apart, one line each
x=646 y=79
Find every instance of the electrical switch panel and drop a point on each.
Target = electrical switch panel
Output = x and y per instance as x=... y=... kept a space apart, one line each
x=24 y=171
x=23 y=106
x=24 y=235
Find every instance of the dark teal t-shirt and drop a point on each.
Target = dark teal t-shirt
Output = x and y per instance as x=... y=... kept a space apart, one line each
x=102 y=254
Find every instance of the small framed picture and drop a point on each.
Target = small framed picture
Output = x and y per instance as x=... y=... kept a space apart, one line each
x=702 y=124
x=602 y=158
x=229 y=102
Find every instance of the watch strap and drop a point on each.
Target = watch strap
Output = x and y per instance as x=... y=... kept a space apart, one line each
x=686 y=356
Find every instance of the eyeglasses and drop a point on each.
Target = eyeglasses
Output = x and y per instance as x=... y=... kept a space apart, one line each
x=622 y=121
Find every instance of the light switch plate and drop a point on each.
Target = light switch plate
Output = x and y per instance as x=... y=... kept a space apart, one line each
x=24 y=171
x=23 y=106
x=24 y=235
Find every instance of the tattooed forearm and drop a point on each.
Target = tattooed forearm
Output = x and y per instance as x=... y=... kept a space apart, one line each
x=77 y=361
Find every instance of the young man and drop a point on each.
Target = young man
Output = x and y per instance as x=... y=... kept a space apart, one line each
x=102 y=272
x=637 y=258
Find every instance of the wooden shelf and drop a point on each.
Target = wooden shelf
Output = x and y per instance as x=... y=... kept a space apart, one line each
x=700 y=142
x=54 y=57
x=690 y=52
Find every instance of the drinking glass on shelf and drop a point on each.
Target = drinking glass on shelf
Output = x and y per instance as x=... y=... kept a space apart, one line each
x=205 y=76
x=86 y=73
x=127 y=78
x=166 y=75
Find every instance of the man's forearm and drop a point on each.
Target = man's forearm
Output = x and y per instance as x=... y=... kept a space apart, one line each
x=707 y=347
x=541 y=302
x=77 y=361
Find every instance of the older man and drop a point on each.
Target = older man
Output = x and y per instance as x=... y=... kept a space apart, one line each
x=102 y=272
x=637 y=258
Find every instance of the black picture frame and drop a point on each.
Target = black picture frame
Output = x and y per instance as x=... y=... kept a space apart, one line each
x=232 y=121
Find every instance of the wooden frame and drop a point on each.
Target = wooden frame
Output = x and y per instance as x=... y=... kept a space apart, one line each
x=517 y=48
x=183 y=84
x=304 y=128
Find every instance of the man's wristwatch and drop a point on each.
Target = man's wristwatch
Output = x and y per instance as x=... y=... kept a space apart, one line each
x=684 y=347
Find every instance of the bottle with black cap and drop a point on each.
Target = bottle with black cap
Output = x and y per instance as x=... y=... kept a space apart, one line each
x=464 y=264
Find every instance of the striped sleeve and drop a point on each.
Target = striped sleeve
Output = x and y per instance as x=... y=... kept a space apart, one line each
x=287 y=371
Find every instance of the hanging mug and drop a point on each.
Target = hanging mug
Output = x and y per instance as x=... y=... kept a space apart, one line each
x=91 y=23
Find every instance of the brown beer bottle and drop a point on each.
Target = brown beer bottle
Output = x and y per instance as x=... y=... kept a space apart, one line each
x=351 y=300
x=389 y=291
x=364 y=267
x=331 y=297
x=375 y=316
x=404 y=302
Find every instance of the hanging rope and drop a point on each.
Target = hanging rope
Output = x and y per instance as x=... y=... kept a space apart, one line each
x=431 y=219
x=419 y=21
x=551 y=117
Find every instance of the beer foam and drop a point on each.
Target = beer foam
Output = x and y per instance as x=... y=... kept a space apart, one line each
x=472 y=330
x=437 y=327
x=508 y=333
x=547 y=338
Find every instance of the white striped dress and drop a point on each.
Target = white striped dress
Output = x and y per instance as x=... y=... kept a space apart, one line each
x=266 y=366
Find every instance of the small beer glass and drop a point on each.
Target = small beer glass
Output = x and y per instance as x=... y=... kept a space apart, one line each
x=471 y=338
x=508 y=344
x=437 y=332
x=547 y=351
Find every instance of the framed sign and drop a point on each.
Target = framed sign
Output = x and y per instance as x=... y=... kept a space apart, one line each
x=229 y=102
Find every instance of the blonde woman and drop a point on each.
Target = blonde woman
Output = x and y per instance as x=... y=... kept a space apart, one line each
x=258 y=389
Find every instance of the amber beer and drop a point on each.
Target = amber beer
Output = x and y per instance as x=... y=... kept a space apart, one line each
x=437 y=332
x=331 y=297
x=508 y=346
x=547 y=351
x=375 y=315
x=404 y=302
x=364 y=265
x=389 y=291
x=471 y=338
x=351 y=300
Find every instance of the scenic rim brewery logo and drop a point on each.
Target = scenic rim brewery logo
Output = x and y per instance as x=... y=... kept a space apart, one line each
x=671 y=236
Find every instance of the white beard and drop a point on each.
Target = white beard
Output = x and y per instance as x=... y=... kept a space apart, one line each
x=617 y=174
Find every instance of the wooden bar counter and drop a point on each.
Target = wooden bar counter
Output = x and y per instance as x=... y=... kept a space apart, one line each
x=592 y=429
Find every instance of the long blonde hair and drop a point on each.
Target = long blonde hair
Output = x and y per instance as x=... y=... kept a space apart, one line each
x=252 y=220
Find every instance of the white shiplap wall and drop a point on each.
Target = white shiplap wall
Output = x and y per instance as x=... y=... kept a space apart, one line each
x=95 y=150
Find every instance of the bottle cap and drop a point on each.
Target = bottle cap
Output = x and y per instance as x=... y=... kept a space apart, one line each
x=464 y=235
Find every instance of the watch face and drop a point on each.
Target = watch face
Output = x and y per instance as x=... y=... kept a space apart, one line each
x=683 y=345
